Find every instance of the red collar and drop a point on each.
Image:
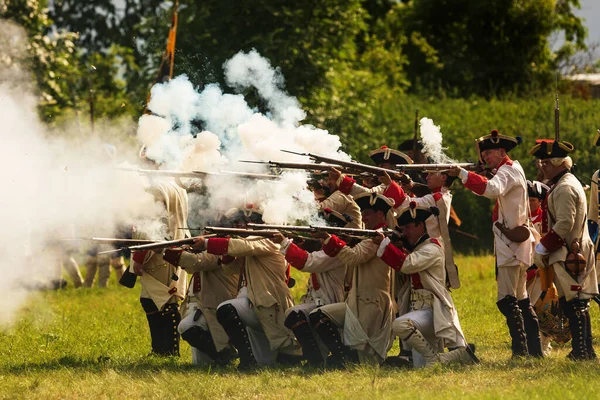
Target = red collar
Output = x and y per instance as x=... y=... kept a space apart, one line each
x=382 y=225
x=436 y=190
x=506 y=160
x=536 y=213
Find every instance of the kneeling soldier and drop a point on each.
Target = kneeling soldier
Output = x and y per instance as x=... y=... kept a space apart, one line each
x=428 y=321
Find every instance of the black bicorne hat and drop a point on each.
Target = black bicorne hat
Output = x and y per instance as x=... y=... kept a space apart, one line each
x=497 y=141
x=413 y=213
x=335 y=218
x=374 y=201
x=550 y=148
x=537 y=189
x=387 y=155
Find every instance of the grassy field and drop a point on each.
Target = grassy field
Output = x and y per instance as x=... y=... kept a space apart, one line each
x=95 y=344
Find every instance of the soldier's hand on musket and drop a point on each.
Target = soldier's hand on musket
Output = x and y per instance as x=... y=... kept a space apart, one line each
x=277 y=238
x=378 y=239
x=320 y=235
x=454 y=170
x=199 y=244
x=334 y=174
x=385 y=179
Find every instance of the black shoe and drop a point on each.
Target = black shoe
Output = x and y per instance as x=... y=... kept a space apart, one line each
x=398 y=362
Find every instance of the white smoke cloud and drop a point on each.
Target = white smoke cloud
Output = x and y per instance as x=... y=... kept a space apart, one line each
x=235 y=131
x=431 y=137
x=53 y=187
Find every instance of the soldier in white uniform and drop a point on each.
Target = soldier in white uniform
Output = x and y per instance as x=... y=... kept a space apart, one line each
x=428 y=320
x=325 y=286
x=567 y=247
x=508 y=188
x=366 y=315
x=594 y=211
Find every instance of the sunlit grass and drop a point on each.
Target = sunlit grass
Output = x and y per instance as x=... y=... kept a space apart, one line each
x=95 y=344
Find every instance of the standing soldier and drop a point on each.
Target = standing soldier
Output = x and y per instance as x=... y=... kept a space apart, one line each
x=567 y=247
x=594 y=211
x=163 y=285
x=366 y=316
x=428 y=320
x=509 y=188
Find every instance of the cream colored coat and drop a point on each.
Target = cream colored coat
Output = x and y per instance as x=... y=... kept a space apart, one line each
x=344 y=204
x=329 y=273
x=265 y=271
x=157 y=274
x=509 y=188
x=218 y=283
x=369 y=309
x=567 y=208
x=427 y=260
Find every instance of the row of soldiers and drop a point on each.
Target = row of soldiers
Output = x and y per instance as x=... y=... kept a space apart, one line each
x=361 y=294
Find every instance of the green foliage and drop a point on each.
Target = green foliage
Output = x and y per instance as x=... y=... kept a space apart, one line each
x=93 y=343
x=486 y=48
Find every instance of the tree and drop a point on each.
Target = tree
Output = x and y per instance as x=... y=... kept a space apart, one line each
x=486 y=48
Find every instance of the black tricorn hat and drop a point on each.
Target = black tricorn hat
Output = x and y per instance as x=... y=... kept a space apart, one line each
x=387 y=155
x=550 y=148
x=335 y=218
x=374 y=201
x=413 y=213
x=537 y=189
x=497 y=141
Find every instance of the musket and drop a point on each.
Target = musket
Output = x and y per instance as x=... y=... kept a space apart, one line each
x=436 y=167
x=329 y=229
x=113 y=241
x=295 y=165
x=351 y=165
x=415 y=136
x=198 y=174
x=556 y=121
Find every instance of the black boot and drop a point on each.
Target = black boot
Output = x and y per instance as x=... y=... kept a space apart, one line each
x=298 y=323
x=228 y=317
x=169 y=319
x=575 y=310
x=330 y=335
x=532 y=328
x=588 y=338
x=514 y=319
x=226 y=356
x=201 y=340
x=163 y=327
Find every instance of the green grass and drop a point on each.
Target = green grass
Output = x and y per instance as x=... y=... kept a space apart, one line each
x=94 y=344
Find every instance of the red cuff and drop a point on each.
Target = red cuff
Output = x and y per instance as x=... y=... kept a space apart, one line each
x=296 y=256
x=552 y=241
x=218 y=246
x=394 y=257
x=476 y=183
x=139 y=256
x=346 y=185
x=531 y=273
x=394 y=191
x=333 y=246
